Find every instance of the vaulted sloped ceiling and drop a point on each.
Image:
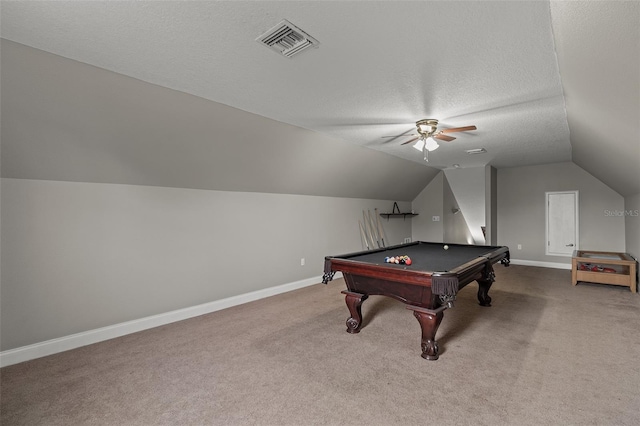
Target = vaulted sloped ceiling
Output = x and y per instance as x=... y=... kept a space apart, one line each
x=68 y=121
x=598 y=46
x=543 y=82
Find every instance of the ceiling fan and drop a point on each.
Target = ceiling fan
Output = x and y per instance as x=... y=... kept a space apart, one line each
x=428 y=133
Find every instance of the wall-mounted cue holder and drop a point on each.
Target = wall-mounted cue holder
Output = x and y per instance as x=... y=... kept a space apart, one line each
x=395 y=212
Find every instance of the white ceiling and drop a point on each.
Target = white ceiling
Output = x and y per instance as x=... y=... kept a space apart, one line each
x=528 y=74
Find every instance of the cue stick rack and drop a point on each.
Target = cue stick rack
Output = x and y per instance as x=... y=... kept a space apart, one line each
x=395 y=212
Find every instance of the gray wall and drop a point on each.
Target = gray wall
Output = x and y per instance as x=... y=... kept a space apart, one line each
x=98 y=228
x=438 y=199
x=469 y=190
x=632 y=224
x=491 y=212
x=455 y=227
x=79 y=256
x=521 y=210
x=427 y=204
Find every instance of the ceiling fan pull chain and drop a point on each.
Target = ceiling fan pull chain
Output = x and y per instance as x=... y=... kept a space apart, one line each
x=426 y=153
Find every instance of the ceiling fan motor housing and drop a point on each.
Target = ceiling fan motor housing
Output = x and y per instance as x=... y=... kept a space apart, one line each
x=427 y=127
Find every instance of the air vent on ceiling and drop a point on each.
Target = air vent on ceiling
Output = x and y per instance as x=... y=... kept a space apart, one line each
x=287 y=39
x=476 y=151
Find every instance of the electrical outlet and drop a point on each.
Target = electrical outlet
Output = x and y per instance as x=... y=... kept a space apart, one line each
x=519 y=246
x=436 y=218
x=302 y=261
x=407 y=240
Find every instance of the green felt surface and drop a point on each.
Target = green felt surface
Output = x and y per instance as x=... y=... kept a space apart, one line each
x=428 y=257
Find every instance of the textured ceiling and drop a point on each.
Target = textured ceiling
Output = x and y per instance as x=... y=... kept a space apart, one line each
x=380 y=67
x=598 y=44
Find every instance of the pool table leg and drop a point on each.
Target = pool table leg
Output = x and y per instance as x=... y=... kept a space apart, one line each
x=483 y=292
x=429 y=322
x=354 y=303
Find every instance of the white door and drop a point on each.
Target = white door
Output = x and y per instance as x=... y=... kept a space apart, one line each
x=562 y=223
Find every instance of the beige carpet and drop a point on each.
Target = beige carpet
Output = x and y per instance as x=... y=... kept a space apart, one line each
x=545 y=353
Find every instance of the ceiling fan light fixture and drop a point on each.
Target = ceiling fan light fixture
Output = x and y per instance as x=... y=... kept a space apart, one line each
x=431 y=144
x=426 y=143
x=427 y=127
x=428 y=133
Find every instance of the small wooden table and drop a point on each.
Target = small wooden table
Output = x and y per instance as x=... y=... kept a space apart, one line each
x=604 y=267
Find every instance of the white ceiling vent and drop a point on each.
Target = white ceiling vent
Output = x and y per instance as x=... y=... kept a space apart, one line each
x=476 y=151
x=287 y=39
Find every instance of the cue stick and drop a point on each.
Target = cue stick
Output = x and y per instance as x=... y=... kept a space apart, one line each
x=363 y=236
x=367 y=227
x=383 y=236
x=375 y=231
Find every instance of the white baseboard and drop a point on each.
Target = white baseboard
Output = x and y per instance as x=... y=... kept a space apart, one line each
x=553 y=265
x=61 y=344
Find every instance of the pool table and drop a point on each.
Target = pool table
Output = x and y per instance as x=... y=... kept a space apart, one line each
x=427 y=286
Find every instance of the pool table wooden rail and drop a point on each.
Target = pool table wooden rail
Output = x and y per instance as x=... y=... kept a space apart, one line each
x=470 y=271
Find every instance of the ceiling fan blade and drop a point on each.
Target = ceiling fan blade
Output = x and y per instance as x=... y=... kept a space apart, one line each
x=410 y=140
x=458 y=129
x=443 y=137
